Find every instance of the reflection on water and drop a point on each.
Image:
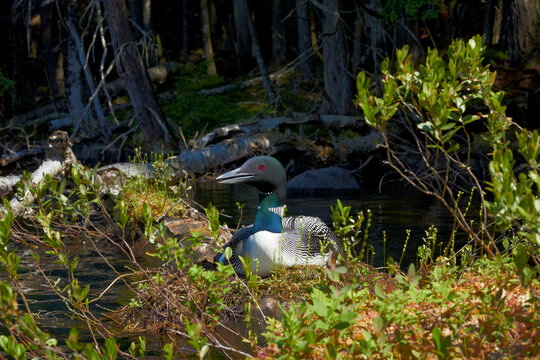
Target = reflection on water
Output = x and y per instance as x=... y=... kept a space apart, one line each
x=393 y=212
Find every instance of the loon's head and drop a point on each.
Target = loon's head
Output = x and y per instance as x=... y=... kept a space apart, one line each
x=263 y=172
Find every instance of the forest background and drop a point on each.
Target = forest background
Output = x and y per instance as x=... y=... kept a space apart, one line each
x=63 y=59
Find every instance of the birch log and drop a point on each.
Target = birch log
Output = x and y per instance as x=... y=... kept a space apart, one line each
x=59 y=160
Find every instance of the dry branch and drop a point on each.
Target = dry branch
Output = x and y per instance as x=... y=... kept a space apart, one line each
x=11 y=158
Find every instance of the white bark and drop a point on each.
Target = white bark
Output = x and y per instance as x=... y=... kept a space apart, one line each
x=59 y=160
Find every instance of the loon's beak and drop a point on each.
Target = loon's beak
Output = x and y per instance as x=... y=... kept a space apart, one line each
x=235 y=176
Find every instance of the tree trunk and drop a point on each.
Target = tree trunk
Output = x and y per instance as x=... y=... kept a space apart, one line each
x=304 y=39
x=140 y=12
x=21 y=96
x=74 y=84
x=357 y=42
x=139 y=88
x=338 y=83
x=520 y=30
x=185 y=28
x=241 y=27
x=207 y=38
x=49 y=37
x=152 y=44
x=278 y=34
x=136 y=12
x=81 y=55
x=272 y=98
x=374 y=33
x=489 y=16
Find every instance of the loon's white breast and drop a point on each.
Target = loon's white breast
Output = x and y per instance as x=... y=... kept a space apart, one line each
x=267 y=250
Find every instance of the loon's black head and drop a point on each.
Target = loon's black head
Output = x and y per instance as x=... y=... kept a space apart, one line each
x=263 y=172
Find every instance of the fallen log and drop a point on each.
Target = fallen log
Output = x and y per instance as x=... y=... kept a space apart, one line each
x=11 y=158
x=200 y=161
x=59 y=160
x=244 y=84
x=231 y=143
x=7 y=184
x=334 y=122
x=40 y=114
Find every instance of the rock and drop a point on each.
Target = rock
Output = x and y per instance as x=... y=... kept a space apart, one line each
x=334 y=179
x=270 y=307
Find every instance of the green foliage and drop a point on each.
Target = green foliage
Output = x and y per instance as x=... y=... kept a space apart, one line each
x=158 y=184
x=439 y=94
x=195 y=112
x=349 y=230
x=195 y=338
x=25 y=338
x=212 y=214
x=424 y=9
x=328 y=317
x=436 y=100
x=6 y=85
x=515 y=196
x=441 y=342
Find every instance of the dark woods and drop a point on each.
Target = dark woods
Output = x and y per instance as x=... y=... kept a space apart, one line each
x=76 y=57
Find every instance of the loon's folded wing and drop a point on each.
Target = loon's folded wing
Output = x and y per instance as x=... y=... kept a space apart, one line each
x=308 y=237
x=236 y=246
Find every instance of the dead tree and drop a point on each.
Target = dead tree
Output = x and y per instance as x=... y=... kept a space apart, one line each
x=207 y=38
x=520 y=30
x=131 y=70
x=50 y=37
x=304 y=39
x=242 y=44
x=338 y=83
x=278 y=34
x=272 y=98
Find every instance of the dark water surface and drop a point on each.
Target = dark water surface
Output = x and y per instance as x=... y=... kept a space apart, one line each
x=393 y=212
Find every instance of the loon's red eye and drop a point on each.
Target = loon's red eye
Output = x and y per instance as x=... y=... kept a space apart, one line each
x=261 y=167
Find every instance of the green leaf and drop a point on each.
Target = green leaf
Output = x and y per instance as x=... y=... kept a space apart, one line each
x=411 y=273
x=319 y=302
x=448 y=126
x=345 y=319
x=378 y=291
x=426 y=126
x=227 y=252
x=378 y=324
x=73 y=264
x=441 y=342
x=449 y=135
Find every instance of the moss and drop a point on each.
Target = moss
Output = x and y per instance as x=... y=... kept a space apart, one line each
x=194 y=112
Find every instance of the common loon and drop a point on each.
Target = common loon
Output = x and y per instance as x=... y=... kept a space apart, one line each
x=273 y=240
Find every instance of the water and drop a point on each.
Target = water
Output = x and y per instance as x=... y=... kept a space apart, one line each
x=393 y=212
